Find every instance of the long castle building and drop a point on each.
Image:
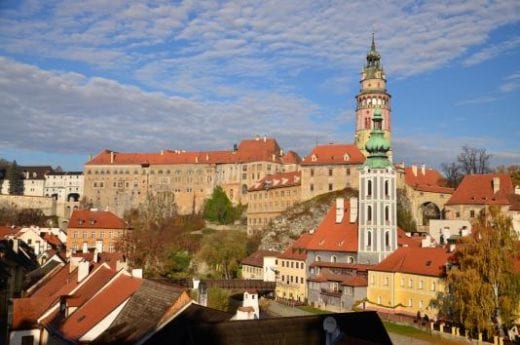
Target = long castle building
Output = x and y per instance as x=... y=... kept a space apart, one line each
x=119 y=181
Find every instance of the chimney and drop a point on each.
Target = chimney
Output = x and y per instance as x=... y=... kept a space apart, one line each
x=85 y=248
x=414 y=170
x=265 y=138
x=353 y=209
x=203 y=294
x=162 y=152
x=137 y=273
x=15 y=245
x=257 y=137
x=451 y=247
x=112 y=157
x=83 y=270
x=99 y=246
x=423 y=169
x=496 y=184
x=340 y=210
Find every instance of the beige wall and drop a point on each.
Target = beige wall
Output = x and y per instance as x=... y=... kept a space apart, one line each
x=295 y=288
x=264 y=205
x=320 y=179
x=47 y=205
x=252 y=272
x=402 y=292
x=76 y=237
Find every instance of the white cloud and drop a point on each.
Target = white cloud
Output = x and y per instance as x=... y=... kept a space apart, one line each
x=492 y=51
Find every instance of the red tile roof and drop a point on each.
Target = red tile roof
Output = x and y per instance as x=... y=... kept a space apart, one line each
x=8 y=231
x=249 y=150
x=97 y=308
x=86 y=219
x=332 y=236
x=334 y=154
x=428 y=181
x=342 y=265
x=110 y=259
x=60 y=284
x=297 y=251
x=291 y=157
x=421 y=261
x=279 y=180
x=26 y=311
x=257 y=258
x=346 y=280
x=407 y=241
x=355 y=281
x=52 y=239
x=92 y=284
x=478 y=190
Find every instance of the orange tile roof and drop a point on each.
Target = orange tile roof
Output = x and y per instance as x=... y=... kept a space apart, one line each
x=26 y=311
x=291 y=157
x=105 y=257
x=92 y=284
x=97 y=308
x=429 y=181
x=8 y=231
x=478 y=190
x=86 y=219
x=249 y=150
x=355 y=281
x=257 y=258
x=514 y=201
x=297 y=250
x=342 y=265
x=421 y=261
x=60 y=284
x=279 y=180
x=334 y=154
x=405 y=241
x=332 y=236
x=52 y=239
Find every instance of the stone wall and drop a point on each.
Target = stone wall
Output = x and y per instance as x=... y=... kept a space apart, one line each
x=46 y=204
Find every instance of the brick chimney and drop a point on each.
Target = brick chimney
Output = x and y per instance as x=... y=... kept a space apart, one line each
x=353 y=209
x=340 y=210
x=495 y=184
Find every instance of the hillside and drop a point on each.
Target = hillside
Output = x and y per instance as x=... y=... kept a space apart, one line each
x=302 y=217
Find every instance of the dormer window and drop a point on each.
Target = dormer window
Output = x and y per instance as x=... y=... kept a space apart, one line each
x=346 y=157
x=314 y=158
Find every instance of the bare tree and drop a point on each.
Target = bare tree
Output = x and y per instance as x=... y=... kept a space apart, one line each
x=474 y=161
x=453 y=174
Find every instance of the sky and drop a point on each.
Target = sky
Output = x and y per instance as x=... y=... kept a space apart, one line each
x=78 y=77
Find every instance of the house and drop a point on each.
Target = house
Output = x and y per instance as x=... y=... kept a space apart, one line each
x=291 y=281
x=477 y=192
x=260 y=265
x=425 y=189
x=269 y=197
x=88 y=227
x=407 y=281
x=330 y=168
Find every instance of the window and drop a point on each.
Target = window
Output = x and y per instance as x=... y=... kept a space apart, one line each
x=312 y=172
x=387 y=188
x=434 y=286
x=27 y=340
x=387 y=213
x=317 y=258
x=311 y=187
x=348 y=171
x=369 y=238
x=330 y=187
x=387 y=239
x=421 y=284
x=333 y=258
x=369 y=213
x=402 y=282
x=410 y=302
x=410 y=283
x=330 y=172
x=369 y=188
x=472 y=213
x=386 y=281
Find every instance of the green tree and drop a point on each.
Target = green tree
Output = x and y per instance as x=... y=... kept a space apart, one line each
x=223 y=251
x=218 y=298
x=178 y=263
x=14 y=176
x=218 y=208
x=483 y=289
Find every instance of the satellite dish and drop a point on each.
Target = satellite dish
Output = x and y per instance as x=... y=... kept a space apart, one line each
x=329 y=324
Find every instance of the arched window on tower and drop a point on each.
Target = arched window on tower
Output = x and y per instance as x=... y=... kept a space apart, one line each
x=369 y=239
x=387 y=213
x=387 y=188
x=369 y=188
x=387 y=240
x=367 y=123
x=369 y=213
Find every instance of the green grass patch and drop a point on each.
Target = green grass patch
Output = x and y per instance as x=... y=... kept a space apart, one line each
x=403 y=329
x=313 y=310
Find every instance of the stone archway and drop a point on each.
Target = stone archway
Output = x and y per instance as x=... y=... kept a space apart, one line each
x=428 y=210
x=73 y=197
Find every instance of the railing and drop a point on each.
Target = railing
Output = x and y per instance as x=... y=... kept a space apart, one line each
x=333 y=293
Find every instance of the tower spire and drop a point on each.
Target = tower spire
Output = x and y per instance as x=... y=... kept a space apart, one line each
x=377 y=145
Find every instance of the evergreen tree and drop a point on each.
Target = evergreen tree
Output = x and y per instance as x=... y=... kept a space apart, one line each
x=14 y=177
x=483 y=288
x=219 y=208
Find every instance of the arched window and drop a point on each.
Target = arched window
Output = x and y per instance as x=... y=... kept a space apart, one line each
x=369 y=238
x=387 y=188
x=369 y=213
x=317 y=258
x=369 y=188
x=387 y=213
x=350 y=260
x=387 y=239
x=333 y=258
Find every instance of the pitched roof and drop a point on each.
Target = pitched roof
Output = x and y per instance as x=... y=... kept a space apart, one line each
x=297 y=250
x=59 y=284
x=425 y=180
x=403 y=240
x=36 y=172
x=143 y=312
x=92 y=284
x=189 y=328
x=478 y=190
x=8 y=231
x=334 y=154
x=249 y=150
x=26 y=311
x=257 y=258
x=52 y=239
x=291 y=157
x=86 y=219
x=279 y=180
x=421 y=261
x=332 y=236
x=98 y=307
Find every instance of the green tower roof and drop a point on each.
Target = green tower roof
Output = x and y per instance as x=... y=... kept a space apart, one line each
x=377 y=145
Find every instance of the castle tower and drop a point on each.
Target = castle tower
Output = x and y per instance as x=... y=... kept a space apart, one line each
x=372 y=94
x=377 y=236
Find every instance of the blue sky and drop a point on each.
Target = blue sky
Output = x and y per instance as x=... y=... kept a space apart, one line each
x=77 y=77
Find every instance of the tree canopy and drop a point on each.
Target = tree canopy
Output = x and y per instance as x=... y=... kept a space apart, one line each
x=219 y=209
x=483 y=289
x=14 y=176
